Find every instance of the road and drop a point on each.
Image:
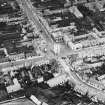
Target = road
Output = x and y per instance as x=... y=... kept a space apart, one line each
x=83 y=86
x=31 y=14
